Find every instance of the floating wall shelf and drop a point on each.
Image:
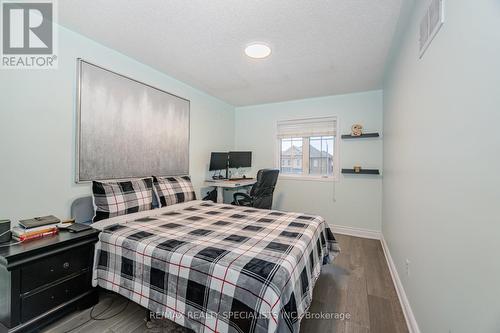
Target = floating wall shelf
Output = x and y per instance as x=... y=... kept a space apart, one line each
x=364 y=135
x=362 y=172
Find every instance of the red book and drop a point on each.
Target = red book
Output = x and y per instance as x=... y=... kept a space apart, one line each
x=24 y=238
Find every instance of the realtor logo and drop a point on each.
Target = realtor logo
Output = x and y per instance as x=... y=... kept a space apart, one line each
x=28 y=36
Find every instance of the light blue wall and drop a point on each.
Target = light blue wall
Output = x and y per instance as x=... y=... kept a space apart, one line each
x=37 y=128
x=441 y=158
x=353 y=201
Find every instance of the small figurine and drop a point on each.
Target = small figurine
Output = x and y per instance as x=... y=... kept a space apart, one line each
x=357 y=168
x=356 y=130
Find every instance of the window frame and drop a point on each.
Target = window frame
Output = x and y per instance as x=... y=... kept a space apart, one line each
x=305 y=161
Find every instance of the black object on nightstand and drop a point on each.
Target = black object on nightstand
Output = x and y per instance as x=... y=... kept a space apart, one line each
x=43 y=279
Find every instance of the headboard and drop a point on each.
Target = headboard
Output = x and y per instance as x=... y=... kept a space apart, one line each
x=82 y=210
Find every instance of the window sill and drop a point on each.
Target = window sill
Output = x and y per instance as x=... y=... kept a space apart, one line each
x=307 y=178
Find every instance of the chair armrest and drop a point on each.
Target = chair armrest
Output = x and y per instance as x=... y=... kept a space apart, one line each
x=244 y=197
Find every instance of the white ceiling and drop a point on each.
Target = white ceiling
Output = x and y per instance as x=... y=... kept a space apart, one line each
x=319 y=47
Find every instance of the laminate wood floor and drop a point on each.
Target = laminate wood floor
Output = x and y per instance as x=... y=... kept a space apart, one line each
x=355 y=294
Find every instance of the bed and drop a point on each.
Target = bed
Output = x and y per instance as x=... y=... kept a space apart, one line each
x=215 y=267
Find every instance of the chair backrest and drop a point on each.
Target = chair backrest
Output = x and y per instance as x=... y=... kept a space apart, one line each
x=262 y=191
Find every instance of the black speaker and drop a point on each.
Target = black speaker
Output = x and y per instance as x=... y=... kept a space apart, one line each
x=4 y=231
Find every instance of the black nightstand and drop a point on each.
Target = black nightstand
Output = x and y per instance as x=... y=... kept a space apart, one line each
x=43 y=279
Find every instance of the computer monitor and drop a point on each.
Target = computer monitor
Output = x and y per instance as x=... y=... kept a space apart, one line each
x=240 y=159
x=218 y=161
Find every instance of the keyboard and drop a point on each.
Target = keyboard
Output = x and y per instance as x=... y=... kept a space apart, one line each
x=236 y=179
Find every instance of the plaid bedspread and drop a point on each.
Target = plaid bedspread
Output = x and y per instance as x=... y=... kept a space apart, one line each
x=217 y=268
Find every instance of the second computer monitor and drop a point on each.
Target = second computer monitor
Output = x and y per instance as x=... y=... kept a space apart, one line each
x=240 y=159
x=218 y=161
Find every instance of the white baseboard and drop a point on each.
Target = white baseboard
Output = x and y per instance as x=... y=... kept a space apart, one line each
x=411 y=322
x=357 y=232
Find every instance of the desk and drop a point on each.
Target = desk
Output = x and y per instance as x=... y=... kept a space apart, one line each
x=224 y=183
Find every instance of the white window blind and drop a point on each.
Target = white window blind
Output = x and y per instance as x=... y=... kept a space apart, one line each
x=326 y=126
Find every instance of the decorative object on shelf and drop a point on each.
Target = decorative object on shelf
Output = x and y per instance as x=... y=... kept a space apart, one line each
x=361 y=172
x=356 y=130
x=357 y=168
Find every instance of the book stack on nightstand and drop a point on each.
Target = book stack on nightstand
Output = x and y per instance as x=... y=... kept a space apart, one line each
x=38 y=227
x=41 y=280
x=24 y=235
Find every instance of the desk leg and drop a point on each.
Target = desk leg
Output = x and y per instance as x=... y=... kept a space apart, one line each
x=220 y=194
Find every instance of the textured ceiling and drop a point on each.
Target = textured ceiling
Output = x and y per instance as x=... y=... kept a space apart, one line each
x=319 y=47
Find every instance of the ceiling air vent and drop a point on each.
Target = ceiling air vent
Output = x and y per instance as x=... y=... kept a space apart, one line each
x=430 y=24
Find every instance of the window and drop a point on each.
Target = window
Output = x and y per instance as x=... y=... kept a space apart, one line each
x=291 y=155
x=321 y=155
x=307 y=148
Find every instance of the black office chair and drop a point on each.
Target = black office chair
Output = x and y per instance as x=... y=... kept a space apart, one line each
x=261 y=194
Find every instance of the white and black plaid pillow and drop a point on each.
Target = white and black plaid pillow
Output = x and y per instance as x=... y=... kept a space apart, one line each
x=120 y=198
x=174 y=190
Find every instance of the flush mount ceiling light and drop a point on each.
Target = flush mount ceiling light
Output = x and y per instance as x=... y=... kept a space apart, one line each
x=258 y=50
